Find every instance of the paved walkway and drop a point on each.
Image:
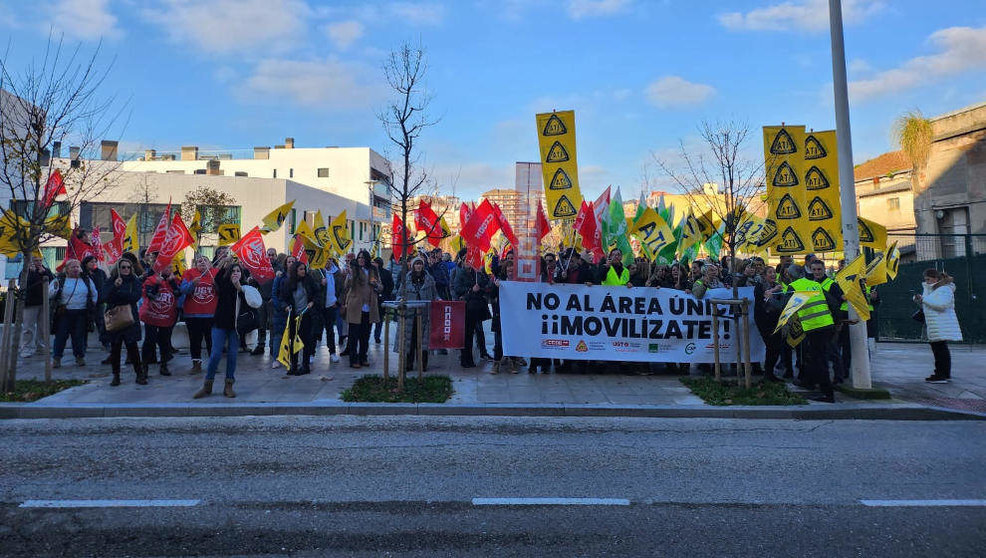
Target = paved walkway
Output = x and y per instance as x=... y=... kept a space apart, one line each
x=900 y=368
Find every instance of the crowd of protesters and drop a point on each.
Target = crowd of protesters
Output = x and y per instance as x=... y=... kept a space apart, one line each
x=342 y=306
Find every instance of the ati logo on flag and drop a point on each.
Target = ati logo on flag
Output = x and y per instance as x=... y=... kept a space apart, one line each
x=818 y=210
x=783 y=144
x=865 y=232
x=563 y=208
x=790 y=242
x=822 y=240
x=768 y=233
x=557 y=153
x=560 y=181
x=554 y=127
x=339 y=232
x=787 y=208
x=785 y=177
x=814 y=149
x=815 y=179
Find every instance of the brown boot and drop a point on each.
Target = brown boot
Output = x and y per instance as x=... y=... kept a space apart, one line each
x=228 y=390
x=205 y=391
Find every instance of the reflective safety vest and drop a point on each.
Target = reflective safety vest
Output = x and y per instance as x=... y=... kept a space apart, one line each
x=612 y=279
x=815 y=313
x=827 y=284
x=845 y=304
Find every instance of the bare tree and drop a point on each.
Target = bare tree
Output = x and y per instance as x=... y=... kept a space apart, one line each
x=53 y=99
x=404 y=119
x=722 y=176
x=143 y=195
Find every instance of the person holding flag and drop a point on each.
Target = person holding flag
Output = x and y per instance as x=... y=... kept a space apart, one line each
x=159 y=313
x=199 y=291
x=301 y=296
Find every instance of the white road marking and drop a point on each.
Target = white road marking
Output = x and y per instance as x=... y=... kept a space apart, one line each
x=921 y=503
x=550 y=502
x=110 y=503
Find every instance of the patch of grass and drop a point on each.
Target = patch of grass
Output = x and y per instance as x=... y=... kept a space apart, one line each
x=26 y=391
x=374 y=389
x=767 y=393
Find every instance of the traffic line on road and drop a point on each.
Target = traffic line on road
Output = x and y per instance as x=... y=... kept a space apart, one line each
x=922 y=503
x=110 y=503
x=550 y=502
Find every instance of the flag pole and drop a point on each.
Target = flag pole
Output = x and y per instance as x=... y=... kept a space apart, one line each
x=847 y=189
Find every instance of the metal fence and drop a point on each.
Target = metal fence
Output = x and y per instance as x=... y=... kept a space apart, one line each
x=963 y=256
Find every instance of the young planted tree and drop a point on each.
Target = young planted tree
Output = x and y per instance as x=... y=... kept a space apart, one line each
x=53 y=99
x=212 y=206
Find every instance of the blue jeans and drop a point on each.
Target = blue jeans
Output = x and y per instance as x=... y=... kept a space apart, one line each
x=74 y=323
x=220 y=337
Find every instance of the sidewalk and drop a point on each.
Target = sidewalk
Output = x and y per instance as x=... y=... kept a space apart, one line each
x=900 y=368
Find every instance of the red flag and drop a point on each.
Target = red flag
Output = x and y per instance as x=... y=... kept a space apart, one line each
x=97 y=244
x=398 y=237
x=53 y=188
x=77 y=249
x=501 y=220
x=543 y=227
x=585 y=224
x=448 y=320
x=481 y=227
x=114 y=248
x=175 y=241
x=252 y=253
x=427 y=220
x=474 y=256
x=161 y=231
x=464 y=213
x=298 y=249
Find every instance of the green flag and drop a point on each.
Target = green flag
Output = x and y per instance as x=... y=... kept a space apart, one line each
x=616 y=227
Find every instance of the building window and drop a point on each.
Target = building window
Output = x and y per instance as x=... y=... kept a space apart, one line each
x=240 y=173
x=275 y=173
x=294 y=221
x=25 y=209
x=290 y=173
x=893 y=204
x=199 y=171
x=323 y=172
x=175 y=172
x=225 y=215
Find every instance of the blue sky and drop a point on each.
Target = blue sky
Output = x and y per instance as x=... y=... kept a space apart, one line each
x=641 y=75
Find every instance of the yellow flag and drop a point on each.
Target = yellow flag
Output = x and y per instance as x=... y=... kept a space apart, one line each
x=131 y=238
x=59 y=225
x=797 y=300
x=321 y=231
x=691 y=232
x=822 y=187
x=708 y=225
x=275 y=219
x=876 y=270
x=748 y=232
x=795 y=333
x=13 y=233
x=872 y=234
x=318 y=257
x=229 y=233
x=455 y=244
x=653 y=231
x=848 y=280
x=196 y=227
x=305 y=231
x=339 y=234
x=559 y=165
x=893 y=261
x=784 y=159
x=284 y=354
x=178 y=266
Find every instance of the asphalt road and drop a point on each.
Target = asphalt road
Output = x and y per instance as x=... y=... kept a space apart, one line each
x=408 y=485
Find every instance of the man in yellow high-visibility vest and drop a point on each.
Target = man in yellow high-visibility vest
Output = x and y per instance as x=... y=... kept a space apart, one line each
x=818 y=323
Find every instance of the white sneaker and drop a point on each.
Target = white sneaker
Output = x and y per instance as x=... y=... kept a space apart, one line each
x=275 y=365
x=334 y=357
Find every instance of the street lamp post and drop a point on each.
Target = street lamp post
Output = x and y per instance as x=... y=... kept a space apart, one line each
x=847 y=190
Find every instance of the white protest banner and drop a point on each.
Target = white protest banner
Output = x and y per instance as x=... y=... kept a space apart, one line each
x=641 y=324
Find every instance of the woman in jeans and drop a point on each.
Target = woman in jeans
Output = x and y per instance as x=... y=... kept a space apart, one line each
x=229 y=300
x=361 y=309
x=300 y=295
x=938 y=303
x=124 y=288
x=200 y=306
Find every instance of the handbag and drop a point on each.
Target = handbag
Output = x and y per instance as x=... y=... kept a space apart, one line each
x=118 y=317
x=918 y=316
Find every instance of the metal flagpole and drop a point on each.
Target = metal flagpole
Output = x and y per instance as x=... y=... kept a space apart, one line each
x=847 y=190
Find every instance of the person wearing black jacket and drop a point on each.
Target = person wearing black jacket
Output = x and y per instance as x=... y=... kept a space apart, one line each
x=124 y=288
x=229 y=291
x=769 y=300
x=472 y=286
x=301 y=295
x=91 y=269
x=31 y=324
x=387 y=280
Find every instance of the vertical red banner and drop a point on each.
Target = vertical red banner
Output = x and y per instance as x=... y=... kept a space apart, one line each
x=448 y=319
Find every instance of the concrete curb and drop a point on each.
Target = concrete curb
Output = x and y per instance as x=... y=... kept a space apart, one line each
x=837 y=411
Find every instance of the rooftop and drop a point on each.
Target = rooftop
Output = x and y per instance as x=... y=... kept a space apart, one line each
x=887 y=163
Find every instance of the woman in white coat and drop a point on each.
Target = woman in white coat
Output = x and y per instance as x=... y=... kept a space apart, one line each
x=938 y=303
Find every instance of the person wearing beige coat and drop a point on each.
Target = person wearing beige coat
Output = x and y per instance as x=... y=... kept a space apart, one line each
x=361 y=308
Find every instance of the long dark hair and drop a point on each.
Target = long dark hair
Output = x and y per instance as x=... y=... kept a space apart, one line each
x=293 y=278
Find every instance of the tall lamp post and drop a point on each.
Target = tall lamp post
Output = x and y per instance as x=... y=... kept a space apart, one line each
x=847 y=189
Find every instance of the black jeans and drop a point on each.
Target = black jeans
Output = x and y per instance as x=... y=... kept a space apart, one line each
x=359 y=339
x=132 y=354
x=308 y=339
x=472 y=324
x=71 y=323
x=160 y=336
x=199 y=329
x=943 y=359
x=330 y=326
x=816 y=345
x=775 y=343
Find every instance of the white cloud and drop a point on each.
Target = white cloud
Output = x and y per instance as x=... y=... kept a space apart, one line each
x=418 y=14
x=87 y=20
x=799 y=15
x=225 y=26
x=344 y=33
x=674 y=91
x=859 y=66
x=328 y=84
x=961 y=50
x=579 y=9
